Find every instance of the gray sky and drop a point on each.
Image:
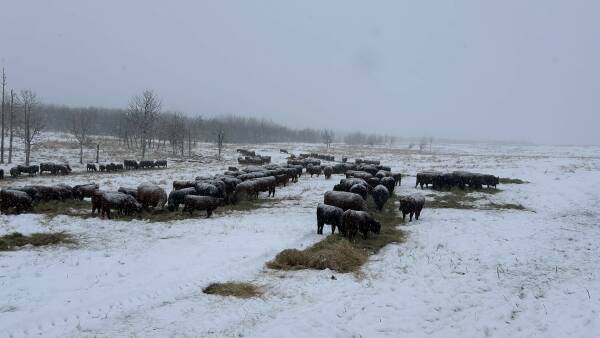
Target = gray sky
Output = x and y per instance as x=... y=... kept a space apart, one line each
x=509 y=70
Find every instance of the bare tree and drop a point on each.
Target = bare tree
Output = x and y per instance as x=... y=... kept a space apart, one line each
x=193 y=130
x=175 y=128
x=219 y=138
x=144 y=110
x=327 y=137
x=372 y=139
x=2 y=142
x=31 y=122
x=189 y=139
x=389 y=140
x=423 y=144
x=198 y=123
x=11 y=120
x=80 y=126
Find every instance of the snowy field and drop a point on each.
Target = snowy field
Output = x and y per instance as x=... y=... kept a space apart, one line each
x=460 y=272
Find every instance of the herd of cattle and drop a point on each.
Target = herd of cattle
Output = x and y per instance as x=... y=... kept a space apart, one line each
x=318 y=156
x=65 y=169
x=456 y=179
x=32 y=170
x=345 y=207
x=249 y=157
x=203 y=193
x=127 y=165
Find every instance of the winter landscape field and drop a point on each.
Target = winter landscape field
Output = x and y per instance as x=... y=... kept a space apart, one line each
x=519 y=261
x=299 y=169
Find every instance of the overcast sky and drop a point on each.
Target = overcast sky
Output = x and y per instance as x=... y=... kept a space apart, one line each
x=507 y=70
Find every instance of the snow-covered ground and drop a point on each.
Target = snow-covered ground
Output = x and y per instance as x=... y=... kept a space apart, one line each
x=460 y=273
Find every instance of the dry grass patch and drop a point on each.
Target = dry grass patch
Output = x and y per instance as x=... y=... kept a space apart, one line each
x=337 y=253
x=235 y=289
x=16 y=239
x=506 y=180
x=451 y=201
x=506 y=206
x=462 y=199
x=83 y=209
x=334 y=252
x=69 y=208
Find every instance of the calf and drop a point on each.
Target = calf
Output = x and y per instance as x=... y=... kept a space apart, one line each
x=359 y=221
x=380 y=196
x=97 y=200
x=84 y=190
x=176 y=197
x=230 y=185
x=246 y=189
x=46 y=167
x=328 y=214
x=314 y=170
x=124 y=204
x=91 y=167
x=266 y=184
x=193 y=202
x=412 y=205
x=389 y=183
x=490 y=180
x=426 y=178
x=32 y=170
x=344 y=200
x=14 y=199
x=151 y=195
x=282 y=179
x=328 y=171
x=15 y=171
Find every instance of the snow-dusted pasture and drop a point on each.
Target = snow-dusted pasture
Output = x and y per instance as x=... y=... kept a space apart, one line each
x=460 y=273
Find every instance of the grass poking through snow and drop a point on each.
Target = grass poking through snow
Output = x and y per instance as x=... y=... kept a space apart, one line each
x=338 y=253
x=506 y=206
x=334 y=252
x=77 y=208
x=464 y=199
x=235 y=289
x=506 y=180
x=16 y=239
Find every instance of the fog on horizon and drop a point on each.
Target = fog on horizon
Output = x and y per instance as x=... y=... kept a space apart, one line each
x=510 y=70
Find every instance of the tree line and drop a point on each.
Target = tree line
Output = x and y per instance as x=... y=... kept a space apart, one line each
x=144 y=125
x=19 y=117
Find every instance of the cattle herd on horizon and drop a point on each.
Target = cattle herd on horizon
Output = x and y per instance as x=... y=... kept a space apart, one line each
x=344 y=208
x=249 y=157
x=65 y=169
